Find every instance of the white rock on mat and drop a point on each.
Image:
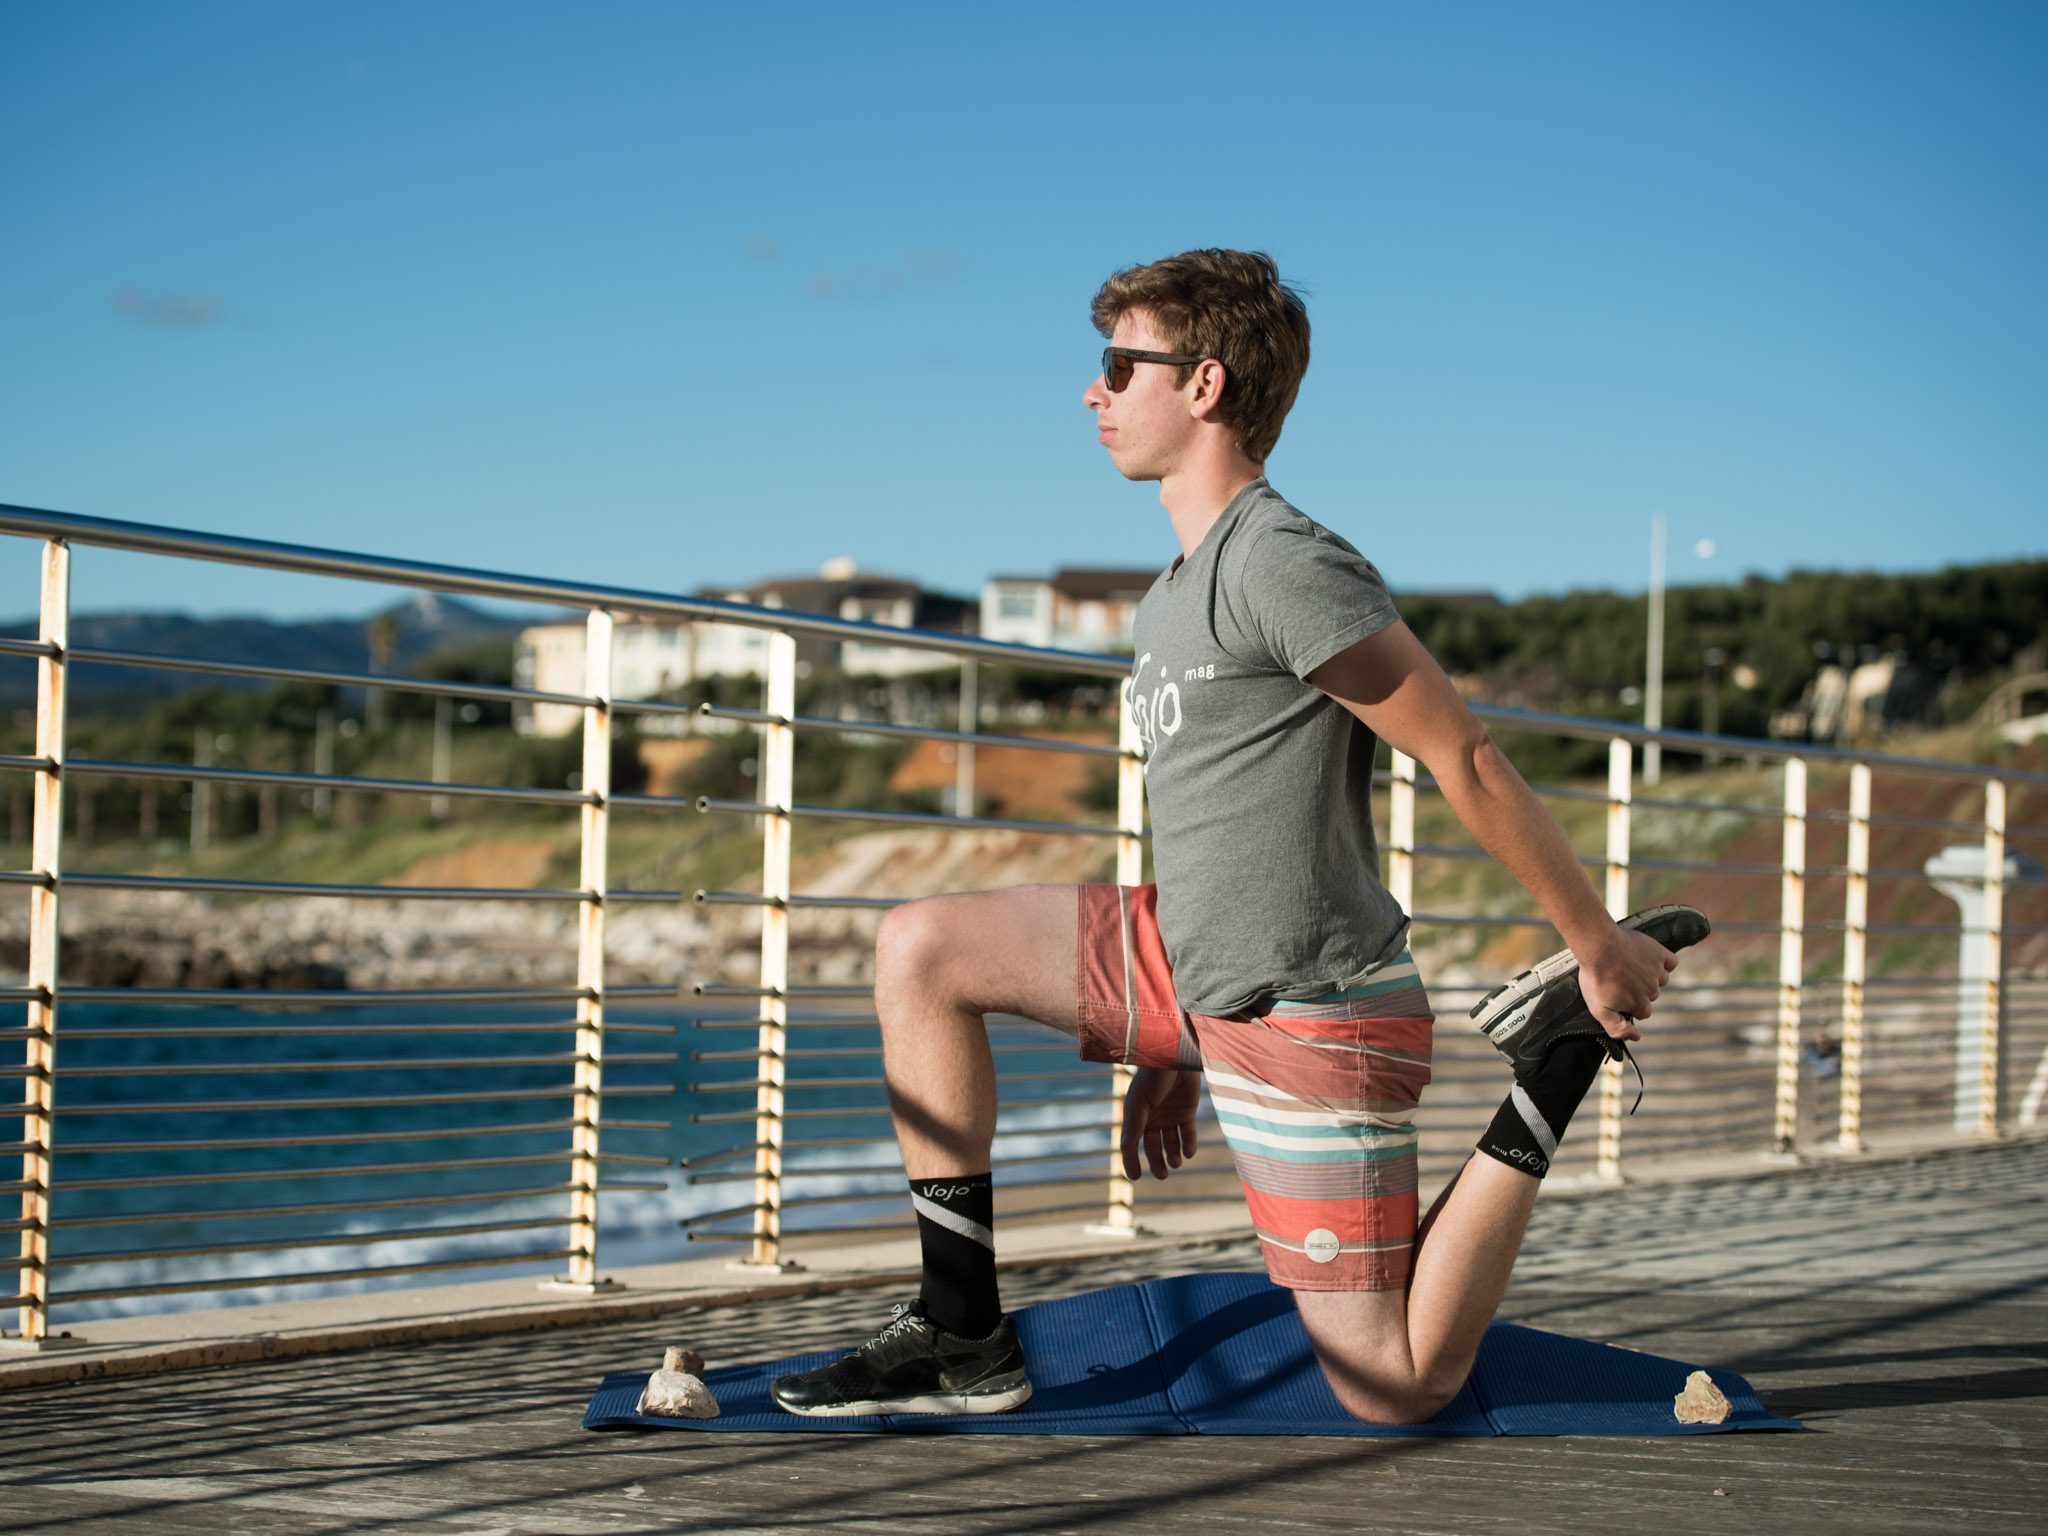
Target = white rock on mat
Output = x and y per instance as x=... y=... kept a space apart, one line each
x=677 y=1395
x=683 y=1359
x=1701 y=1402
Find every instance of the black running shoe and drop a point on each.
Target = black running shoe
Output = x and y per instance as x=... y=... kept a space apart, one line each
x=914 y=1366
x=1526 y=1016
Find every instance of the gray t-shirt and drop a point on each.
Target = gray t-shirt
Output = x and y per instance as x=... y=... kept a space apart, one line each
x=1261 y=785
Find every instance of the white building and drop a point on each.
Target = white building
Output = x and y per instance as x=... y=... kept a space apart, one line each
x=651 y=659
x=1079 y=608
x=648 y=660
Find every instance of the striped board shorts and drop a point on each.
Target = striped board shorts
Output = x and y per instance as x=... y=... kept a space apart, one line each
x=1315 y=1096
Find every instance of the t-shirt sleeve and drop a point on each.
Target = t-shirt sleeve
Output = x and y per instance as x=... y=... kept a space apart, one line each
x=1305 y=595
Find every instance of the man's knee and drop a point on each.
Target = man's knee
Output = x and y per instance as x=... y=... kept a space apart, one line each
x=1390 y=1402
x=1393 y=1403
x=912 y=944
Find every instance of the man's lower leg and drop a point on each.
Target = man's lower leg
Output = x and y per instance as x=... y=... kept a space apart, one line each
x=956 y=1233
x=1462 y=1272
x=942 y=1092
x=954 y=1351
x=1531 y=1121
x=1475 y=1228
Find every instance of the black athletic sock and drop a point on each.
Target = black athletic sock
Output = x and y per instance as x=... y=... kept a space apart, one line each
x=956 y=1227
x=1531 y=1119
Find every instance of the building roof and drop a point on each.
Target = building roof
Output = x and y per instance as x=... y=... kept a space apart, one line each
x=1087 y=581
x=820 y=594
x=1094 y=581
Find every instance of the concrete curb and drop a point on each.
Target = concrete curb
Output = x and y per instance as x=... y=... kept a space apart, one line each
x=60 y=1362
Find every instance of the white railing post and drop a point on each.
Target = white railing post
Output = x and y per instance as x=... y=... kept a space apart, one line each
x=777 y=780
x=970 y=721
x=1120 y=1220
x=47 y=864
x=1401 y=834
x=1994 y=953
x=1855 y=962
x=596 y=818
x=1791 y=957
x=1620 y=797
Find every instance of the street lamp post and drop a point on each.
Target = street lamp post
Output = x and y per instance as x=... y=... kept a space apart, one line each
x=1713 y=658
x=1653 y=665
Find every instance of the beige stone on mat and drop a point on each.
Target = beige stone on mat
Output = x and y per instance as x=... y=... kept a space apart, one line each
x=683 y=1359
x=677 y=1395
x=1701 y=1402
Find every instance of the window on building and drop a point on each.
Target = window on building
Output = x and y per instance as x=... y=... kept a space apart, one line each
x=1016 y=605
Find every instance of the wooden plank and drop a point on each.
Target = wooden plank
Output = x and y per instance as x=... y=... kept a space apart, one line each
x=1928 y=1398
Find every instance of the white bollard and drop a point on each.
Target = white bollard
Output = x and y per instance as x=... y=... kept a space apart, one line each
x=1958 y=873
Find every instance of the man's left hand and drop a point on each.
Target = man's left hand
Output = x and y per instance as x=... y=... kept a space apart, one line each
x=1159 y=1119
x=1621 y=979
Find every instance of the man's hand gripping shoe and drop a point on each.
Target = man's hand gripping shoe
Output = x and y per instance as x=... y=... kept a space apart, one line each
x=1525 y=1017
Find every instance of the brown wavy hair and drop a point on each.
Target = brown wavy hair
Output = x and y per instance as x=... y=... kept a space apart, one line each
x=1232 y=306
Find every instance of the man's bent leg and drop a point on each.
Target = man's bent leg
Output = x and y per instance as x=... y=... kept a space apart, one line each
x=1315 y=1097
x=1396 y=1357
x=1475 y=1230
x=941 y=964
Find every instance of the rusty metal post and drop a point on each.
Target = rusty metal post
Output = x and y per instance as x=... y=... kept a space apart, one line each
x=1620 y=800
x=970 y=721
x=596 y=828
x=1791 y=957
x=1120 y=1220
x=1401 y=834
x=776 y=776
x=1994 y=953
x=1855 y=962
x=47 y=845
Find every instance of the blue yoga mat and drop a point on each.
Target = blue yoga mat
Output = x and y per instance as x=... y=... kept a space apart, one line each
x=1224 y=1354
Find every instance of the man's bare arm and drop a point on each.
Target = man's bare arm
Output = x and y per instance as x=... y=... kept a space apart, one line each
x=1392 y=683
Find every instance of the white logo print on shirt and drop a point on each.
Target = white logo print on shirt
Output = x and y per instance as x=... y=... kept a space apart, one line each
x=1157 y=714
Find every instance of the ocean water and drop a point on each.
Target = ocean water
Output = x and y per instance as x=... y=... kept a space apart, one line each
x=154 y=1165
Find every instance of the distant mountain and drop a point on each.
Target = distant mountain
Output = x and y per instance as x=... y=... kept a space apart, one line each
x=426 y=625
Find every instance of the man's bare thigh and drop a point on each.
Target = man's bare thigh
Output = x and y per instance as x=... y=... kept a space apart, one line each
x=1010 y=951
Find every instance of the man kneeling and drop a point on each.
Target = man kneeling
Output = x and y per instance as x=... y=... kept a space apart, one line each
x=1269 y=662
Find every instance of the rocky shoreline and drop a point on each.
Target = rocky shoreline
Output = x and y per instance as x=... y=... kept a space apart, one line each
x=161 y=939
x=169 y=940
x=156 y=939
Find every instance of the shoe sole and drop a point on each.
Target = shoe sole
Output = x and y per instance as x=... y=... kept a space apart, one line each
x=1000 y=1401
x=1510 y=995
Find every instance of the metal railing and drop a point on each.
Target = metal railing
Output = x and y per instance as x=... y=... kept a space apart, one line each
x=1749 y=1075
x=591 y=997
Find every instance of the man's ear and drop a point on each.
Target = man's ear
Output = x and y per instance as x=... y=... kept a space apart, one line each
x=1210 y=380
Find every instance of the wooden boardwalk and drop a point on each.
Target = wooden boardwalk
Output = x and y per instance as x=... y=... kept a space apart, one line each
x=1900 y=1309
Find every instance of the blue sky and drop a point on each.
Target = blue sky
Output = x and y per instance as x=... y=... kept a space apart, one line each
x=668 y=294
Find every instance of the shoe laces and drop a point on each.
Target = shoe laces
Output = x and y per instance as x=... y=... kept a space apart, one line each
x=1629 y=1056
x=904 y=1317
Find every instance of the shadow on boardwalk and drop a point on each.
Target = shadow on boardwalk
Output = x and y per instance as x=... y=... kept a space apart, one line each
x=1901 y=1310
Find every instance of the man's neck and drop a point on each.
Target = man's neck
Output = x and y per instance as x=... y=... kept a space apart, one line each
x=1196 y=496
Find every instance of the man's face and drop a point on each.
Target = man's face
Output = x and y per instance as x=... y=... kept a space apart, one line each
x=1146 y=425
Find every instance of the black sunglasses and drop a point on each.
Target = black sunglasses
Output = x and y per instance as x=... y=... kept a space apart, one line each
x=1117 y=364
